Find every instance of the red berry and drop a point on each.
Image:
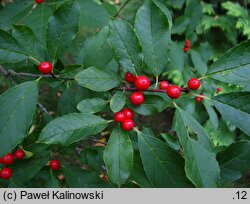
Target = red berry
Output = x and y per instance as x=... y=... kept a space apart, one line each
x=128 y=113
x=54 y=164
x=104 y=177
x=219 y=89
x=19 y=154
x=45 y=67
x=185 y=49
x=164 y=85
x=39 y=1
x=199 y=98
x=142 y=83
x=128 y=125
x=137 y=98
x=8 y=159
x=194 y=83
x=5 y=173
x=130 y=78
x=187 y=44
x=174 y=91
x=119 y=117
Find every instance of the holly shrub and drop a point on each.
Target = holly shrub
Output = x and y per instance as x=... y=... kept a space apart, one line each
x=124 y=93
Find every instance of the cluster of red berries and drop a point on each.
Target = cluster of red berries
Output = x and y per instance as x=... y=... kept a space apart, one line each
x=39 y=1
x=8 y=159
x=187 y=46
x=125 y=117
x=141 y=83
x=45 y=67
x=172 y=91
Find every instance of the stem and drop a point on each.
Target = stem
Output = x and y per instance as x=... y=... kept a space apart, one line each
x=202 y=96
x=34 y=59
x=149 y=90
x=123 y=6
x=23 y=74
x=156 y=81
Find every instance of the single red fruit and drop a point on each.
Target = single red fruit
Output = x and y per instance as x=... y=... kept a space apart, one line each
x=5 y=173
x=128 y=125
x=185 y=49
x=142 y=83
x=119 y=117
x=187 y=44
x=130 y=78
x=174 y=91
x=194 y=83
x=19 y=154
x=54 y=164
x=8 y=159
x=219 y=89
x=45 y=67
x=105 y=178
x=199 y=98
x=129 y=114
x=164 y=85
x=39 y=1
x=137 y=98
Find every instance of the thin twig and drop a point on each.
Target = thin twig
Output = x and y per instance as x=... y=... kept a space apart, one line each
x=23 y=74
x=149 y=90
x=119 y=11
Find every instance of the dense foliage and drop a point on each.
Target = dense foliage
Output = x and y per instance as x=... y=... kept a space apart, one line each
x=124 y=93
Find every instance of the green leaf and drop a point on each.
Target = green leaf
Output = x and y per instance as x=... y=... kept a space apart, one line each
x=221 y=136
x=96 y=50
x=38 y=21
x=152 y=104
x=138 y=174
x=200 y=159
x=176 y=56
x=97 y=80
x=163 y=165
x=91 y=105
x=67 y=103
x=17 y=108
x=53 y=182
x=10 y=50
x=12 y=13
x=92 y=15
x=126 y=46
x=117 y=102
x=118 y=156
x=71 y=128
x=199 y=63
x=62 y=28
x=234 y=161
x=153 y=27
x=93 y=156
x=212 y=114
x=29 y=41
x=193 y=12
x=235 y=107
x=80 y=178
x=171 y=141
x=234 y=66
